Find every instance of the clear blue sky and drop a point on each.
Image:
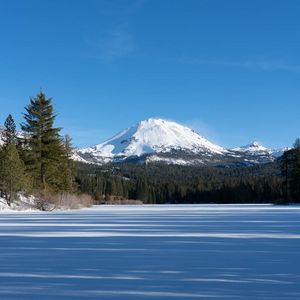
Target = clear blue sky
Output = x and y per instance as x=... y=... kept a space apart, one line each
x=230 y=69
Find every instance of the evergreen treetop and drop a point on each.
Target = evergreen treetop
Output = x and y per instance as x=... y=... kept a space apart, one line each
x=12 y=173
x=9 y=135
x=43 y=140
x=297 y=143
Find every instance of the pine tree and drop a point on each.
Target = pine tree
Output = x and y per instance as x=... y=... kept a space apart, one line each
x=295 y=173
x=286 y=166
x=9 y=134
x=290 y=168
x=12 y=173
x=67 y=169
x=297 y=144
x=43 y=142
x=142 y=189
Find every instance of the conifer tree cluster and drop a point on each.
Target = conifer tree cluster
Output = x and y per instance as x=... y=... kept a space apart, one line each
x=39 y=158
x=290 y=168
x=157 y=184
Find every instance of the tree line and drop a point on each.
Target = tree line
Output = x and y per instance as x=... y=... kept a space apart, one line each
x=156 y=184
x=290 y=171
x=37 y=160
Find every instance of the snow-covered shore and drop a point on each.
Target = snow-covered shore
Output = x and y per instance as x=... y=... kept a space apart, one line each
x=23 y=203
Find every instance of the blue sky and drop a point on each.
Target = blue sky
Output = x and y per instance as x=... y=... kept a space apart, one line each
x=230 y=69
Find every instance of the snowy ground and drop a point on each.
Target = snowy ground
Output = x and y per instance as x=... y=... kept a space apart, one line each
x=152 y=252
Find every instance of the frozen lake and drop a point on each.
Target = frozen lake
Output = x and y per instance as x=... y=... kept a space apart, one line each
x=152 y=252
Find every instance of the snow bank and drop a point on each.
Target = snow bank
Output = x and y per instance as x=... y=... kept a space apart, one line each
x=23 y=203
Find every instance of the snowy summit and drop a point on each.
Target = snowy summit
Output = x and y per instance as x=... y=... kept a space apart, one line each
x=254 y=147
x=158 y=140
x=152 y=136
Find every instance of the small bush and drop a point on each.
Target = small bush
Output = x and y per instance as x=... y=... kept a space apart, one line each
x=49 y=201
x=122 y=202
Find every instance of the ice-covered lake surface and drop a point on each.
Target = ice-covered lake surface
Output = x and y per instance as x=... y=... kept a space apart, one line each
x=152 y=252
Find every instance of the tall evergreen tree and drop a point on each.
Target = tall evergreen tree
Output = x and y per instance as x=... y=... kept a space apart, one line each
x=297 y=144
x=9 y=135
x=286 y=165
x=67 y=169
x=142 y=189
x=43 y=142
x=12 y=173
x=290 y=168
x=295 y=173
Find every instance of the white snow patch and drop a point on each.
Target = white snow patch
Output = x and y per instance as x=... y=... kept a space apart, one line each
x=22 y=203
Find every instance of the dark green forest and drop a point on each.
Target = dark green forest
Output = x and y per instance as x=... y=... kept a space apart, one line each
x=158 y=184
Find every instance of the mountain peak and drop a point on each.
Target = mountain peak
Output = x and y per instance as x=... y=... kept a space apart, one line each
x=252 y=147
x=255 y=144
x=154 y=120
x=158 y=122
x=153 y=135
x=161 y=140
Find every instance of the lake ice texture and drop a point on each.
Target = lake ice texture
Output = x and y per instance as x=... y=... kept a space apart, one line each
x=152 y=252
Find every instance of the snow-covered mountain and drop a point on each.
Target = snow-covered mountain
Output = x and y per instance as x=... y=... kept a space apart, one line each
x=147 y=138
x=253 y=148
x=162 y=141
x=257 y=148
